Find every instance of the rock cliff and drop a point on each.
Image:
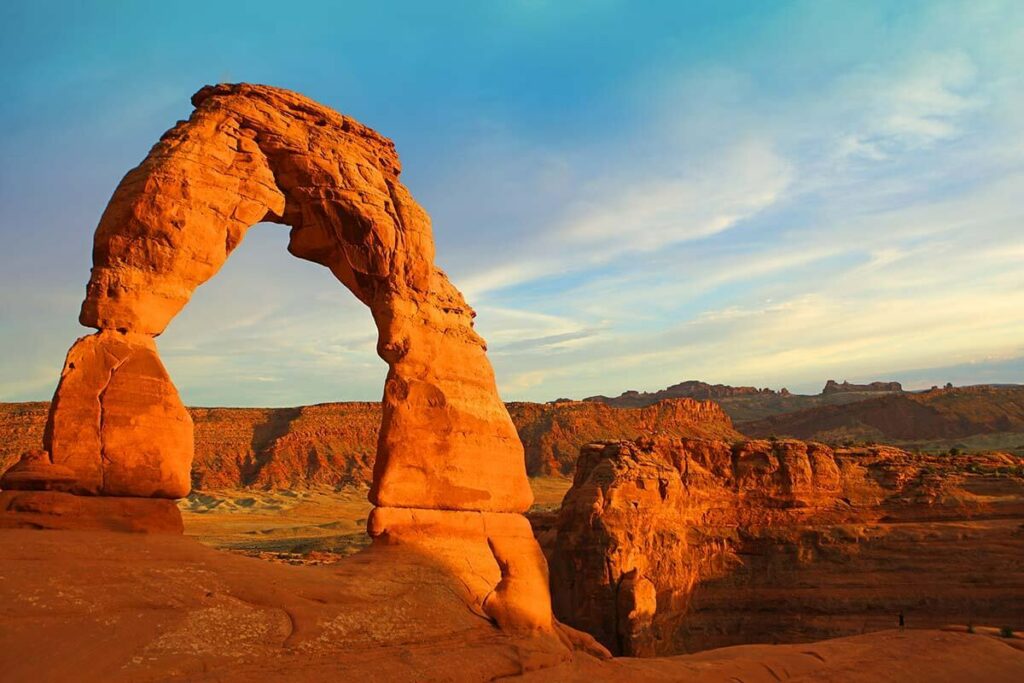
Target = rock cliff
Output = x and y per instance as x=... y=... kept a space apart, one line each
x=665 y=546
x=334 y=444
x=552 y=433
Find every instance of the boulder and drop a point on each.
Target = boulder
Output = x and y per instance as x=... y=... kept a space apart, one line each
x=116 y=420
x=34 y=471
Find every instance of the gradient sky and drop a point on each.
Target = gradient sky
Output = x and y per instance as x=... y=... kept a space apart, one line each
x=629 y=193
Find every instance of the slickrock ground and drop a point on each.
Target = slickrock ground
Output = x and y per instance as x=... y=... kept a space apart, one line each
x=665 y=546
x=334 y=444
x=125 y=607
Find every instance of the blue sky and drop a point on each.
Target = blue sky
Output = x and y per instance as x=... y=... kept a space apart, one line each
x=630 y=194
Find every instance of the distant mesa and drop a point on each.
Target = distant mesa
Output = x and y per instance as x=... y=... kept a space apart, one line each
x=715 y=392
x=335 y=444
x=939 y=415
x=833 y=387
x=688 y=389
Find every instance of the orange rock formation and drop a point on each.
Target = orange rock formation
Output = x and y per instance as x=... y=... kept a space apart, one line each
x=665 y=546
x=249 y=154
x=334 y=444
x=84 y=607
x=449 y=476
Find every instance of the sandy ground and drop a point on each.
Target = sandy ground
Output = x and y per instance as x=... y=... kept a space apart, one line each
x=317 y=526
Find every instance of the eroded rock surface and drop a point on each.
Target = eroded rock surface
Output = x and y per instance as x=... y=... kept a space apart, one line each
x=116 y=420
x=252 y=153
x=149 y=608
x=335 y=444
x=35 y=471
x=56 y=510
x=677 y=545
x=447 y=448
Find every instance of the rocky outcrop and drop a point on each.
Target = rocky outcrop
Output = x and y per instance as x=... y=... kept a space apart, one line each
x=552 y=433
x=59 y=511
x=35 y=471
x=334 y=444
x=834 y=387
x=252 y=153
x=673 y=545
x=116 y=420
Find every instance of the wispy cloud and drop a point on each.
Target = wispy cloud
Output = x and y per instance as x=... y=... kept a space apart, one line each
x=827 y=190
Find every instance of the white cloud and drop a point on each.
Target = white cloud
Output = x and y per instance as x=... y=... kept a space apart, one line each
x=922 y=104
x=683 y=204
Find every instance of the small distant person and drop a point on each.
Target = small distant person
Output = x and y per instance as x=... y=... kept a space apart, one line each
x=902 y=621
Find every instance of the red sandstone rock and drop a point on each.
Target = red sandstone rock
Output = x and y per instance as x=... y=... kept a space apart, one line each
x=253 y=153
x=779 y=541
x=55 y=510
x=36 y=472
x=334 y=444
x=117 y=422
x=553 y=433
x=480 y=548
x=85 y=607
x=449 y=475
x=939 y=415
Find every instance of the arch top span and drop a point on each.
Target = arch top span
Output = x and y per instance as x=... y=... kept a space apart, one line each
x=252 y=153
x=247 y=154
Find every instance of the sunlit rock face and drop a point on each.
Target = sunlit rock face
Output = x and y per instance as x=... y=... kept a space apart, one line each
x=665 y=546
x=116 y=420
x=248 y=154
x=335 y=444
x=449 y=478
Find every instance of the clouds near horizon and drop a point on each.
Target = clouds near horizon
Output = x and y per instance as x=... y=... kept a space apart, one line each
x=770 y=197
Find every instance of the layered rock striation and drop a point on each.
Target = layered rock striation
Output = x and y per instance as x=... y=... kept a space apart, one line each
x=334 y=444
x=665 y=546
x=248 y=154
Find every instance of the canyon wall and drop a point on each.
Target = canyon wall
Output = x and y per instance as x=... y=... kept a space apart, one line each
x=664 y=546
x=334 y=444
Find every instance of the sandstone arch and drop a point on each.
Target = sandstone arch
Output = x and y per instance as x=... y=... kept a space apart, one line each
x=252 y=153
